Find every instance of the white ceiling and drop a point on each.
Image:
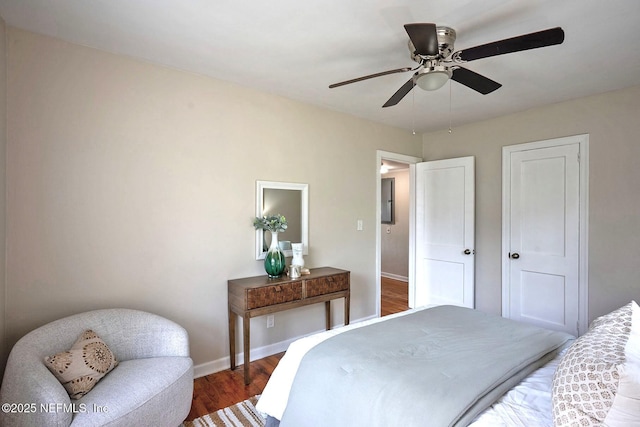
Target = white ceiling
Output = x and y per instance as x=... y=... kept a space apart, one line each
x=297 y=48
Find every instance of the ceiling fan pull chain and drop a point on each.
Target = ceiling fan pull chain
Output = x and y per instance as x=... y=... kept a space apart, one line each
x=450 y=106
x=413 y=112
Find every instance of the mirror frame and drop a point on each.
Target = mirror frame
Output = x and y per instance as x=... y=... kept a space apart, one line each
x=304 y=213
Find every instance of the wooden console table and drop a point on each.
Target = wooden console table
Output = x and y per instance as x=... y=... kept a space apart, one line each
x=256 y=296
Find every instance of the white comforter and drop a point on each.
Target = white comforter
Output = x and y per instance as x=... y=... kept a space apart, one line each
x=526 y=405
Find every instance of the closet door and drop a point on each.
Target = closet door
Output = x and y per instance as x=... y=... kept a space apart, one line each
x=541 y=235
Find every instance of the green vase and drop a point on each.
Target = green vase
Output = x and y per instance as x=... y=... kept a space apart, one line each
x=274 y=260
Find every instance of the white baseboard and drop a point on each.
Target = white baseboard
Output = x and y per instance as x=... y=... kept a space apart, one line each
x=395 y=277
x=223 y=363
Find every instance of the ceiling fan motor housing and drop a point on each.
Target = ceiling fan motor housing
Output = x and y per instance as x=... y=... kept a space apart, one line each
x=446 y=40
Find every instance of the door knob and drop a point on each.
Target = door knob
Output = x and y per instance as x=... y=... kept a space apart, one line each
x=467 y=252
x=514 y=255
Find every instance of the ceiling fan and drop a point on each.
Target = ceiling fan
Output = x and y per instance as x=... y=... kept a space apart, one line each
x=431 y=47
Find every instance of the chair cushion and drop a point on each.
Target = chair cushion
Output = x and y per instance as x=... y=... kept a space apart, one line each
x=154 y=391
x=80 y=368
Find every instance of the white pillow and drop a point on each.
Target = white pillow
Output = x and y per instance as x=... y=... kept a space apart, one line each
x=586 y=380
x=625 y=410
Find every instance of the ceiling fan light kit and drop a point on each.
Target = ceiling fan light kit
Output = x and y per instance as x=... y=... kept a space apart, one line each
x=432 y=48
x=432 y=78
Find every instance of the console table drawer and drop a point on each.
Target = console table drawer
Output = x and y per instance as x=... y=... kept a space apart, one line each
x=327 y=285
x=275 y=294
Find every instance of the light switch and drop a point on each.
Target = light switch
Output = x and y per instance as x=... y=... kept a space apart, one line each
x=359 y=226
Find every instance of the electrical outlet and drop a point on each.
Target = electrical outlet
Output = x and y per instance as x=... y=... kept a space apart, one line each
x=359 y=225
x=270 y=321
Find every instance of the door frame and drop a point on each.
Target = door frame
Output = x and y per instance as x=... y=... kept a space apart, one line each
x=411 y=161
x=583 y=258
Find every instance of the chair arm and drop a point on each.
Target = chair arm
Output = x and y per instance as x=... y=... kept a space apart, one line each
x=33 y=394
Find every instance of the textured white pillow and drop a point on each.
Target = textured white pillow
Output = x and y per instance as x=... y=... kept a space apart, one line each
x=586 y=380
x=80 y=368
x=625 y=410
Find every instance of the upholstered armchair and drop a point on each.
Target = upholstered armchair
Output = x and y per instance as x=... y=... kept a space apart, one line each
x=152 y=384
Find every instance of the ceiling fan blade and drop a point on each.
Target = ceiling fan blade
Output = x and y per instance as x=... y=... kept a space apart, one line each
x=543 y=38
x=424 y=38
x=370 y=76
x=475 y=81
x=400 y=93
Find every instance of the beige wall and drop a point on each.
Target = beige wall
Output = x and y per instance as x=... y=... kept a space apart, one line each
x=394 y=246
x=133 y=185
x=613 y=125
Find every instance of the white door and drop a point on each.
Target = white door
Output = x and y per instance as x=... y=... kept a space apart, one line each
x=541 y=238
x=445 y=204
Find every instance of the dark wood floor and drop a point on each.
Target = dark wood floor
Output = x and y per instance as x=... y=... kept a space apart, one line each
x=224 y=388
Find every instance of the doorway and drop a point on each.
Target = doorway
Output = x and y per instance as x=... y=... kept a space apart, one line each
x=394 y=236
x=394 y=242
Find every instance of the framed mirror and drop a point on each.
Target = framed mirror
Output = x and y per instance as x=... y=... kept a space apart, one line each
x=292 y=201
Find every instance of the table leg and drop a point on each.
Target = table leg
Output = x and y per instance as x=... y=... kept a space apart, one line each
x=327 y=315
x=232 y=339
x=247 y=346
x=346 y=309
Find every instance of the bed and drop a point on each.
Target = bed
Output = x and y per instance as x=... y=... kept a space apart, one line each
x=441 y=366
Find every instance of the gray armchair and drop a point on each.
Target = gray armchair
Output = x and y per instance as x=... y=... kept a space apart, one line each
x=152 y=385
